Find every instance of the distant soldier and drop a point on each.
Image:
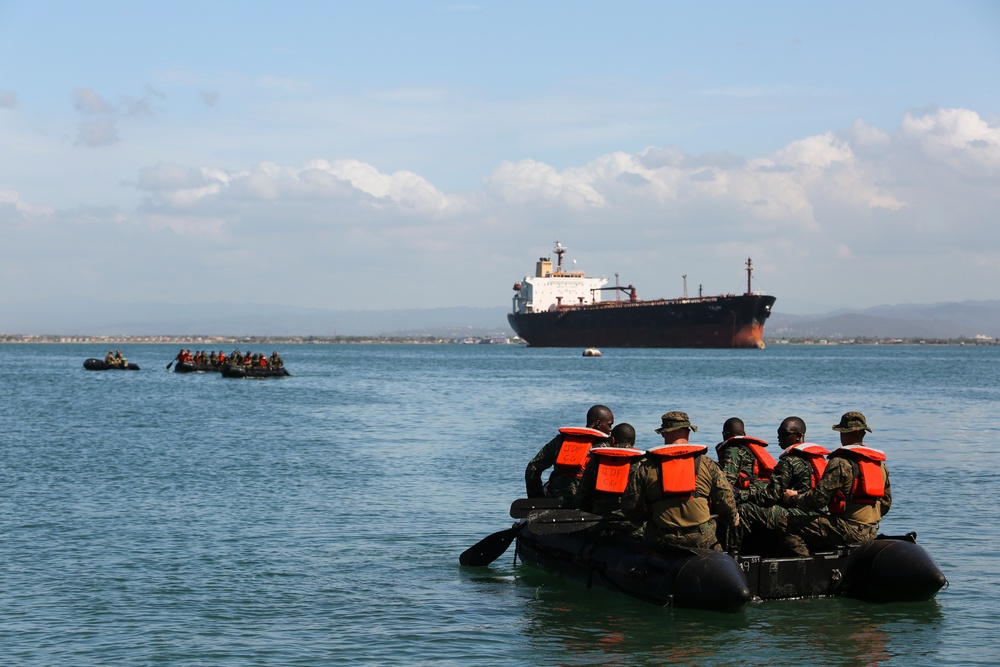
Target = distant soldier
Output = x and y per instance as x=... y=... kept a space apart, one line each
x=109 y=359
x=854 y=488
x=276 y=361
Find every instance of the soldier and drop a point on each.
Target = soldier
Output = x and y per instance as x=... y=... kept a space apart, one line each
x=744 y=460
x=276 y=361
x=567 y=455
x=606 y=478
x=109 y=358
x=854 y=487
x=799 y=467
x=676 y=489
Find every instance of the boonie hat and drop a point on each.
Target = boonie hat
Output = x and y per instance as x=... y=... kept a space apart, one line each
x=671 y=421
x=852 y=421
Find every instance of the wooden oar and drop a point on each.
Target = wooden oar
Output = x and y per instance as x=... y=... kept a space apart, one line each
x=488 y=549
x=520 y=508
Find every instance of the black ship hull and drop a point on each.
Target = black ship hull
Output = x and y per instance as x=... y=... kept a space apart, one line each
x=710 y=322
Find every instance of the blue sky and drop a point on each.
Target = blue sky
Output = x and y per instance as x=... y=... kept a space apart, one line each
x=424 y=154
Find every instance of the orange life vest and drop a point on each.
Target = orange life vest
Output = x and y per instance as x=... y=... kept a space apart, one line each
x=869 y=482
x=678 y=467
x=575 y=450
x=763 y=462
x=814 y=454
x=613 y=465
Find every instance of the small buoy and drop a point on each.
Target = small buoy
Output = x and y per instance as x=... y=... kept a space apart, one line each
x=591 y=352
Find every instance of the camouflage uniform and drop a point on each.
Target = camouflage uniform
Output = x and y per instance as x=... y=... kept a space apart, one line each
x=858 y=523
x=761 y=504
x=589 y=499
x=676 y=521
x=733 y=460
x=563 y=487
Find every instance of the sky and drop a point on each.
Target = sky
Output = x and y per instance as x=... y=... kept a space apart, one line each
x=389 y=155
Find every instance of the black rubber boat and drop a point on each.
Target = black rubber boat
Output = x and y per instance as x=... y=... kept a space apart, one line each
x=191 y=367
x=889 y=569
x=100 y=365
x=253 y=372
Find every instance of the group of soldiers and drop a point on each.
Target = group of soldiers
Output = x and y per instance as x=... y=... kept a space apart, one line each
x=811 y=498
x=235 y=358
x=115 y=359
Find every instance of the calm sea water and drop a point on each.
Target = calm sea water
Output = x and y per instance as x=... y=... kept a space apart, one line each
x=156 y=518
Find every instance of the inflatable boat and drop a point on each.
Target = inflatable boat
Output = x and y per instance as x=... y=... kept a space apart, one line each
x=253 y=372
x=101 y=365
x=889 y=569
x=577 y=545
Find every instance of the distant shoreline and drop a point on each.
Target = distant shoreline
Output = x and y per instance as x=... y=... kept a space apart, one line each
x=209 y=342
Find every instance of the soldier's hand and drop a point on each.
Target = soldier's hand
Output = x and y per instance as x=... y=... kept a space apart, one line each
x=737 y=521
x=788 y=497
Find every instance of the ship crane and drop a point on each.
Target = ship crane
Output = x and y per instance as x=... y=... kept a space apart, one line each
x=624 y=289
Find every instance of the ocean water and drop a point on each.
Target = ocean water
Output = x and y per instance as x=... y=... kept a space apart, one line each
x=157 y=518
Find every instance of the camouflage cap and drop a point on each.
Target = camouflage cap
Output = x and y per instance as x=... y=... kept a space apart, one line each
x=852 y=421
x=671 y=421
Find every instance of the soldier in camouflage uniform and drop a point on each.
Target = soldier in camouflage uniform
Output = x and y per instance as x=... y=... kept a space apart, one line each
x=737 y=461
x=857 y=499
x=678 y=510
x=609 y=502
x=564 y=480
x=761 y=511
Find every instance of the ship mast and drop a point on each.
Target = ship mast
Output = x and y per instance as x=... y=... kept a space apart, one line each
x=749 y=273
x=559 y=250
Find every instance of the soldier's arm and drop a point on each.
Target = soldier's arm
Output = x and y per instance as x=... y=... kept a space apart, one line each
x=885 y=502
x=585 y=491
x=633 y=500
x=837 y=477
x=544 y=459
x=721 y=498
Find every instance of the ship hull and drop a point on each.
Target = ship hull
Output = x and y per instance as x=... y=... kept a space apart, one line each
x=713 y=322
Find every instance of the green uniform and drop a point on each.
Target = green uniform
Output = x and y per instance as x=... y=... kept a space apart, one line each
x=589 y=499
x=684 y=521
x=561 y=486
x=858 y=523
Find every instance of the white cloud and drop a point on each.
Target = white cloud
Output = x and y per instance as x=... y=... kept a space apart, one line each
x=822 y=217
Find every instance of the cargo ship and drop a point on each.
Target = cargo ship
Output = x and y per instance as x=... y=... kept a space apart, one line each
x=560 y=308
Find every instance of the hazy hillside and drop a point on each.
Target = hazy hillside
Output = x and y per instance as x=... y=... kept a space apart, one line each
x=939 y=320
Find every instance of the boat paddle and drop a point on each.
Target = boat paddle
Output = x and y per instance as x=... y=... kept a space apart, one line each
x=548 y=522
x=170 y=364
x=520 y=508
x=488 y=549
x=539 y=522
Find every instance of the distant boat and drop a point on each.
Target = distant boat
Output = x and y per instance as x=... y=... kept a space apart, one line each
x=591 y=352
x=236 y=371
x=101 y=365
x=558 y=308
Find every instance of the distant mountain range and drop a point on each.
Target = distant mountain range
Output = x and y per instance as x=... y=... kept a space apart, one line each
x=83 y=317
x=966 y=319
